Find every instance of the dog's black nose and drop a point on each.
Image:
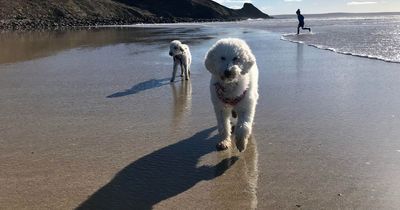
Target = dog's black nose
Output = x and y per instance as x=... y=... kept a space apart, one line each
x=229 y=74
x=170 y=53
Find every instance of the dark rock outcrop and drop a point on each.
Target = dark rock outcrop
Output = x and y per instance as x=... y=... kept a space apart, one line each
x=197 y=9
x=41 y=14
x=250 y=11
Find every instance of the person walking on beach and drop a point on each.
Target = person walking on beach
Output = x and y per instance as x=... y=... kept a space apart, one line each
x=301 y=22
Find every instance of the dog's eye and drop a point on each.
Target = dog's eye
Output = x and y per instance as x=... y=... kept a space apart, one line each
x=235 y=59
x=223 y=58
x=175 y=48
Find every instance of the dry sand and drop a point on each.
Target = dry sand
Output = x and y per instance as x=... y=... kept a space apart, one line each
x=89 y=120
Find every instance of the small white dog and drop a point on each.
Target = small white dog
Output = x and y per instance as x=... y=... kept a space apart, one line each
x=234 y=89
x=181 y=56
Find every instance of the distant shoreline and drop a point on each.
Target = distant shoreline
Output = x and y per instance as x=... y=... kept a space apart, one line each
x=33 y=25
x=346 y=14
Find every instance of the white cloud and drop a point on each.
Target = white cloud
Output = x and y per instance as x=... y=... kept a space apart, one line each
x=361 y=2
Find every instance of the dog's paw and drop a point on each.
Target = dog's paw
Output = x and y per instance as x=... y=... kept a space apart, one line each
x=223 y=145
x=241 y=144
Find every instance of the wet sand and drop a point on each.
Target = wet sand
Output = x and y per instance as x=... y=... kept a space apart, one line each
x=89 y=120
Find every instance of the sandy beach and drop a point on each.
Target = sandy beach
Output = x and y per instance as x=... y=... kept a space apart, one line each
x=89 y=120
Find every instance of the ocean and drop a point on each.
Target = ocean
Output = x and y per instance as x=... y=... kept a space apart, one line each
x=373 y=35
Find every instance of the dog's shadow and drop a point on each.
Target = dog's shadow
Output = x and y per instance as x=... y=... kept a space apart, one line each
x=160 y=175
x=146 y=85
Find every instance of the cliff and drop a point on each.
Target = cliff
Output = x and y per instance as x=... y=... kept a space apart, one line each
x=34 y=14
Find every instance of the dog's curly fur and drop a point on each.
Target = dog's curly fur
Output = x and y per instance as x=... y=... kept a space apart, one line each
x=181 y=56
x=234 y=89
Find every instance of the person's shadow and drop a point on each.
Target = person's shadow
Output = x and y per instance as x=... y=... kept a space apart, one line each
x=160 y=175
x=146 y=85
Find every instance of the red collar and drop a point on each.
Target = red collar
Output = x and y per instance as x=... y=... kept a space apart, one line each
x=230 y=101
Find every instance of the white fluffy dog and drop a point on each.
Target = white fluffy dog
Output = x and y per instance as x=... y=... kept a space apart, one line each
x=181 y=56
x=234 y=89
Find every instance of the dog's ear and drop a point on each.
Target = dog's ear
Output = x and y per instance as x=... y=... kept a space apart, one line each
x=209 y=60
x=248 y=61
x=182 y=50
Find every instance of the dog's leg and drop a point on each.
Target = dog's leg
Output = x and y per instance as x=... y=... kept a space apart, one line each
x=224 y=128
x=189 y=63
x=243 y=128
x=186 y=70
x=175 y=68
x=182 y=69
x=233 y=121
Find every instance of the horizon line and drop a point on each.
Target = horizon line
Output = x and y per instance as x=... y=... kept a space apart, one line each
x=332 y=13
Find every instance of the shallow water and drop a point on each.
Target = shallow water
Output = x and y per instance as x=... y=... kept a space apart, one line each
x=370 y=36
x=374 y=36
x=89 y=119
x=21 y=46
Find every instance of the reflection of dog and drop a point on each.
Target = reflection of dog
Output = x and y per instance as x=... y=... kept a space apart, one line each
x=245 y=173
x=182 y=94
x=181 y=55
x=234 y=89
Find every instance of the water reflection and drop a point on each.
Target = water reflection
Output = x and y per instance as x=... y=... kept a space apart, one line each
x=250 y=172
x=182 y=94
x=241 y=182
x=22 y=46
x=299 y=58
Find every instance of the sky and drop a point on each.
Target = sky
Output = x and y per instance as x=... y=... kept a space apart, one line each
x=276 y=7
